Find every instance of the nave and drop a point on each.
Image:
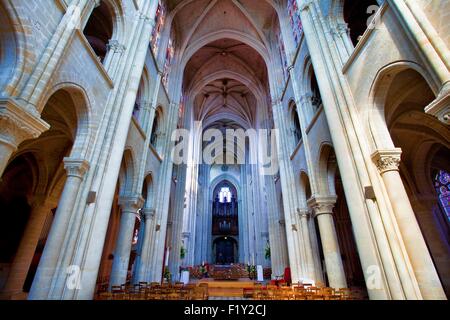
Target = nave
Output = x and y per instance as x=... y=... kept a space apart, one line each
x=196 y=149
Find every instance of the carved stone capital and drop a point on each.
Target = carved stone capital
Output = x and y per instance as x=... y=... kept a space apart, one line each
x=147 y=18
x=276 y=101
x=440 y=107
x=305 y=5
x=76 y=167
x=147 y=105
x=18 y=125
x=116 y=46
x=387 y=160
x=322 y=204
x=131 y=204
x=186 y=235
x=306 y=98
x=342 y=28
x=303 y=213
x=149 y=213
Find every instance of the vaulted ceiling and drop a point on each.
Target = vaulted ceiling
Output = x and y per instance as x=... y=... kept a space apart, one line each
x=225 y=47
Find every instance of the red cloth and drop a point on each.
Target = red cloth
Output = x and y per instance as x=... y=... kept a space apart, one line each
x=287 y=275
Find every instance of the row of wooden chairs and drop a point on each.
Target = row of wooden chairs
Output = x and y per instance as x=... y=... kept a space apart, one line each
x=301 y=293
x=156 y=291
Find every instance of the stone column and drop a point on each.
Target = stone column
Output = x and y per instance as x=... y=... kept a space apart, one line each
x=350 y=144
x=387 y=162
x=278 y=254
x=142 y=273
x=115 y=53
x=163 y=192
x=16 y=126
x=108 y=156
x=290 y=199
x=141 y=236
x=76 y=169
x=129 y=207
x=323 y=210
x=304 y=216
x=41 y=209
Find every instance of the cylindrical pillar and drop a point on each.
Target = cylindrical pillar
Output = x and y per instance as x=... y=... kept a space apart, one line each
x=304 y=217
x=142 y=273
x=129 y=207
x=27 y=247
x=323 y=211
x=387 y=162
x=76 y=169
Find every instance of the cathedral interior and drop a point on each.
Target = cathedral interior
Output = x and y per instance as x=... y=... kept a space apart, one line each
x=192 y=149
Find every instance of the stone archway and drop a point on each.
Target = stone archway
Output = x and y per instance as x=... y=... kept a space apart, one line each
x=225 y=250
x=43 y=160
x=410 y=144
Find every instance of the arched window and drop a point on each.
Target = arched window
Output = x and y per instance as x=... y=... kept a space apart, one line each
x=225 y=195
x=358 y=15
x=155 y=129
x=168 y=62
x=159 y=25
x=99 y=30
x=296 y=23
x=442 y=186
x=283 y=57
x=316 y=98
x=225 y=210
x=137 y=103
x=296 y=124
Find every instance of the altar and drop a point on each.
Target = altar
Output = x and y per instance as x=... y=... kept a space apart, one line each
x=228 y=272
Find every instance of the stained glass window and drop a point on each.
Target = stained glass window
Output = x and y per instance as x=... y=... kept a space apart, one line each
x=225 y=195
x=296 y=23
x=159 y=24
x=167 y=63
x=442 y=186
x=283 y=55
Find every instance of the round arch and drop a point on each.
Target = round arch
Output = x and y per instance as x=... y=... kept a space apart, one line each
x=148 y=190
x=326 y=170
x=13 y=45
x=375 y=115
x=83 y=136
x=127 y=173
x=305 y=186
x=397 y=119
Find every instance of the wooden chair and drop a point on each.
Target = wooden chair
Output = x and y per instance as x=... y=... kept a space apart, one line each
x=328 y=293
x=300 y=294
x=198 y=293
x=344 y=294
x=105 y=296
